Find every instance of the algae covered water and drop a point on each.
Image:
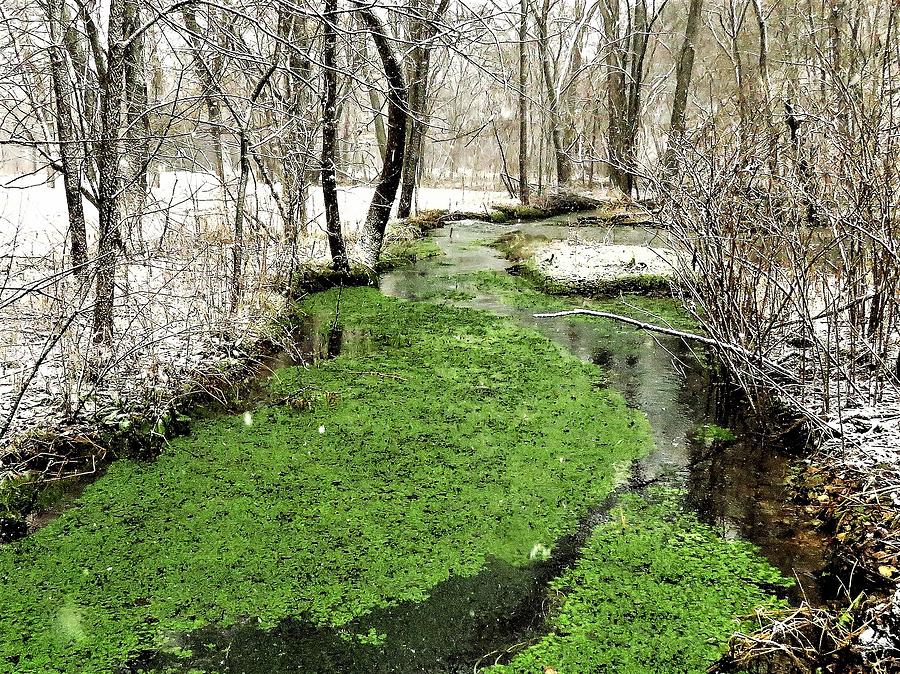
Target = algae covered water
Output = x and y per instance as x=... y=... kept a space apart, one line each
x=454 y=490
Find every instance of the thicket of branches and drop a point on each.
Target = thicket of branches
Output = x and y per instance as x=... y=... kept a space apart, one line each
x=786 y=217
x=201 y=147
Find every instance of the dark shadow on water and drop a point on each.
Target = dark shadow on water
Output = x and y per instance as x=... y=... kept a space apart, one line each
x=465 y=622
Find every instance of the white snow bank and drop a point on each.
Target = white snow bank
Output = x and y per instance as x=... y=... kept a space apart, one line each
x=34 y=221
x=578 y=262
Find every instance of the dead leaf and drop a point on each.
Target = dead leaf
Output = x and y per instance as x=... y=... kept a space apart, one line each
x=887 y=571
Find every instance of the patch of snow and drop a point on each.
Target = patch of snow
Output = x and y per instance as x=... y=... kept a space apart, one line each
x=577 y=262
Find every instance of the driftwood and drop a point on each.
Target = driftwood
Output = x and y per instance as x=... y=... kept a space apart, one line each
x=672 y=332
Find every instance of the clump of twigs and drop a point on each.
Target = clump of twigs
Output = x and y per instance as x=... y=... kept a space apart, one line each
x=860 y=638
x=790 y=250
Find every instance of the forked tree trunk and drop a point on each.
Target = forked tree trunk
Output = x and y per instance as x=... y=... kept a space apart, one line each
x=391 y=172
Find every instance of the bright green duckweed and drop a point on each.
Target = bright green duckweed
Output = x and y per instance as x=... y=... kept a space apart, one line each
x=653 y=591
x=456 y=437
x=522 y=292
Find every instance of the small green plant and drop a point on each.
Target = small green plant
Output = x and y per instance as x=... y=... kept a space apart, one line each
x=18 y=495
x=441 y=451
x=711 y=434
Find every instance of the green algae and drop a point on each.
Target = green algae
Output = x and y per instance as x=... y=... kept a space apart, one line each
x=712 y=434
x=654 y=590
x=522 y=292
x=454 y=439
x=407 y=251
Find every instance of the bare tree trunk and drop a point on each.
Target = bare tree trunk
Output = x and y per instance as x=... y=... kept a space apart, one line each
x=639 y=38
x=380 y=133
x=70 y=149
x=423 y=31
x=765 y=88
x=137 y=135
x=804 y=170
x=206 y=71
x=563 y=165
x=237 y=251
x=298 y=99
x=389 y=181
x=339 y=259
x=737 y=63
x=684 y=72
x=109 y=246
x=524 y=187
x=764 y=79
x=615 y=97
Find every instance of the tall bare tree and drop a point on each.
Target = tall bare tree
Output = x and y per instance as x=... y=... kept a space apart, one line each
x=424 y=24
x=112 y=88
x=329 y=139
x=524 y=187
x=395 y=149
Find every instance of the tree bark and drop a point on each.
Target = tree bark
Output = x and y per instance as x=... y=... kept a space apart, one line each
x=380 y=133
x=563 y=165
x=422 y=33
x=70 y=148
x=336 y=244
x=237 y=251
x=615 y=97
x=137 y=133
x=299 y=98
x=206 y=71
x=391 y=172
x=684 y=73
x=109 y=177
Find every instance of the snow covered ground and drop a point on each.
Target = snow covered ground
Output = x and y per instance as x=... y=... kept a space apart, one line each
x=33 y=219
x=577 y=263
x=173 y=322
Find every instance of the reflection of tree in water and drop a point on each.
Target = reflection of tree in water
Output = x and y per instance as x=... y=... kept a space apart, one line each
x=739 y=486
x=335 y=341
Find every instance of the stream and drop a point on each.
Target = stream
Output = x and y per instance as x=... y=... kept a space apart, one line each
x=221 y=515
x=740 y=486
x=469 y=622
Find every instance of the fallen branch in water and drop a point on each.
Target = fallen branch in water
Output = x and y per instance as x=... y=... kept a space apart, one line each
x=672 y=332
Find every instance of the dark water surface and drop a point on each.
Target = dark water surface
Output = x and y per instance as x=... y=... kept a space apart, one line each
x=468 y=623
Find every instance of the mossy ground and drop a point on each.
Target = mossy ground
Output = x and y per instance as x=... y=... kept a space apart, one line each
x=653 y=591
x=406 y=251
x=455 y=438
